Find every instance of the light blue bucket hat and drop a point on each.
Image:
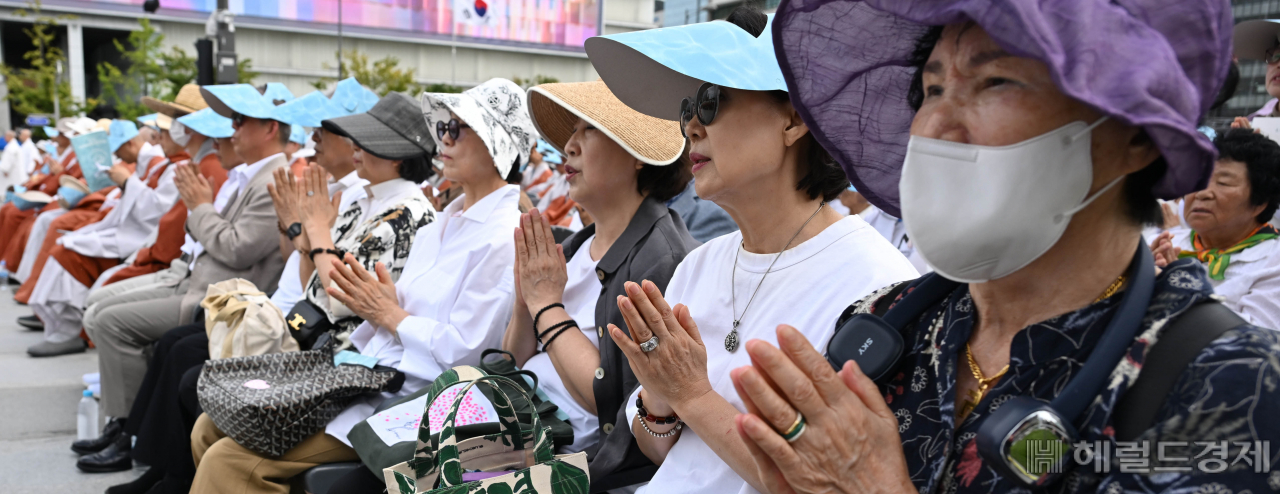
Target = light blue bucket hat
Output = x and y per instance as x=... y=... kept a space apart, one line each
x=653 y=70
x=229 y=99
x=208 y=123
x=277 y=93
x=121 y=131
x=93 y=151
x=351 y=97
x=298 y=134
x=307 y=111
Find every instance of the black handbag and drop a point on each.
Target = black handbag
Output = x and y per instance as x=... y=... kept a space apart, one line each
x=307 y=322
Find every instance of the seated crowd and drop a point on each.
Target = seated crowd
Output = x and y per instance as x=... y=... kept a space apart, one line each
x=595 y=233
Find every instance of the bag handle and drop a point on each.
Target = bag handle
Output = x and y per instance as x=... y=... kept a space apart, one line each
x=448 y=459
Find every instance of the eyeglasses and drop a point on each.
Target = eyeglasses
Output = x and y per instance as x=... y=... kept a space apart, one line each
x=453 y=127
x=1272 y=56
x=706 y=104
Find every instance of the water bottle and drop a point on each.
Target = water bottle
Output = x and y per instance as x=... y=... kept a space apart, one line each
x=4 y=277
x=87 y=417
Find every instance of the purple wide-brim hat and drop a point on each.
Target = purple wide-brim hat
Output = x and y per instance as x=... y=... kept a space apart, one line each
x=1149 y=63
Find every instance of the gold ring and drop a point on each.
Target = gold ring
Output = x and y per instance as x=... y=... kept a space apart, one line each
x=795 y=425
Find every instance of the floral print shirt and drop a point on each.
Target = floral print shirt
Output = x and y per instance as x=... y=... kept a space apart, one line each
x=1227 y=395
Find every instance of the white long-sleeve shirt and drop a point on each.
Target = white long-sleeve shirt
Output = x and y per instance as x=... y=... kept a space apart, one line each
x=457 y=287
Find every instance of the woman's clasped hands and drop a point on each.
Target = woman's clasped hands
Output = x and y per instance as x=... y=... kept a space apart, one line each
x=850 y=441
x=674 y=373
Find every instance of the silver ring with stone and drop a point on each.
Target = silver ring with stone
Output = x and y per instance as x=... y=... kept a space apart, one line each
x=650 y=345
x=311 y=193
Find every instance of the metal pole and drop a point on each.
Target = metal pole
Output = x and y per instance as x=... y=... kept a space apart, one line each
x=57 y=110
x=340 y=71
x=453 y=48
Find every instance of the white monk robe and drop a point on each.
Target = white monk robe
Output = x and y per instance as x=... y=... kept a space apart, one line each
x=59 y=297
x=12 y=171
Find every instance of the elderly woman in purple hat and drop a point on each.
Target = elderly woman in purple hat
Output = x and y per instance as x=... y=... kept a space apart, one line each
x=1026 y=144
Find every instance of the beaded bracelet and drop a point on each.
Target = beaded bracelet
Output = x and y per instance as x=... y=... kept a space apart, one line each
x=653 y=418
x=672 y=432
x=544 y=309
x=312 y=255
x=557 y=335
x=556 y=326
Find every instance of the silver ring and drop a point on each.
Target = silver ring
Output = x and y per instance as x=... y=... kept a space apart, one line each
x=311 y=193
x=650 y=345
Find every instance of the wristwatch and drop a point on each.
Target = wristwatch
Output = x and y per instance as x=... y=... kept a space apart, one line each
x=294 y=230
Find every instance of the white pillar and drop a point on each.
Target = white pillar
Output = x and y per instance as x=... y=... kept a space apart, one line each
x=75 y=58
x=4 y=102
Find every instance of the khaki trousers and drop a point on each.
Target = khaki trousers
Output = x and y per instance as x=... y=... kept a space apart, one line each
x=225 y=467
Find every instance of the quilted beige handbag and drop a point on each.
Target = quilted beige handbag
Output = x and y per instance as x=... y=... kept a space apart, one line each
x=241 y=321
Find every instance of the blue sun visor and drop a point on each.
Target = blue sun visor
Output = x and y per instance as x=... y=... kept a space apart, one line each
x=352 y=98
x=306 y=111
x=208 y=123
x=229 y=99
x=653 y=70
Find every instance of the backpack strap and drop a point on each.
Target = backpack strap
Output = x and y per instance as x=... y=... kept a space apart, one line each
x=881 y=306
x=1177 y=347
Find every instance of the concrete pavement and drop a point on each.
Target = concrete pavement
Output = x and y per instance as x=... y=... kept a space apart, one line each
x=38 y=399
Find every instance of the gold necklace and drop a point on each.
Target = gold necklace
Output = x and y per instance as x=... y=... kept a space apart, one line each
x=984 y=383
x=1111 y=290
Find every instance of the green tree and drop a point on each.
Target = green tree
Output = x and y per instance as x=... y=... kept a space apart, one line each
x=32 y=89
x=381 y=76
x=244 y=71
x=143 y=74
x=179 y=70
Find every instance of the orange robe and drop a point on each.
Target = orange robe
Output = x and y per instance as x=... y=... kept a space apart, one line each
x=84 y=268
x=558 y=210
x=172 y=231
x=15 y=233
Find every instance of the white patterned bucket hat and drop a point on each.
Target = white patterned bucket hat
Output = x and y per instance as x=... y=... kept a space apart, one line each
x=496 y=111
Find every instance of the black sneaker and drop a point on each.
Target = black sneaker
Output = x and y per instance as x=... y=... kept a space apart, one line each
x=31 y=322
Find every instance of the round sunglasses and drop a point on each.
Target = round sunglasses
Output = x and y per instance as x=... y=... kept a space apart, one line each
x=453 y=127
x=1272 y=56
x=706 y=104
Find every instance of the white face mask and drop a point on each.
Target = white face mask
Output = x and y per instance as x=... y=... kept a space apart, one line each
x=178 y=133
x=978 y=213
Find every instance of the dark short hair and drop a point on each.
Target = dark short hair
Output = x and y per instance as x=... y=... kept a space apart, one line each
x=662 y=182
x=824 y=177
x=416 y=169
x=515 y=176
x=1261 y=156
x=284 y=129
x=1138 y=189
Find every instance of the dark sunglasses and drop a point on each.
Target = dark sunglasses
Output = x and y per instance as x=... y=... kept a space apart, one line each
x=238 y=119
x=453 y=127
x=706 y=104
x=1272 y=56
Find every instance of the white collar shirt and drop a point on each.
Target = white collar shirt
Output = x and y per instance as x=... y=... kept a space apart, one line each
x=1251 y=284
x=457 y=286
x=289 y=291
x=379 y=197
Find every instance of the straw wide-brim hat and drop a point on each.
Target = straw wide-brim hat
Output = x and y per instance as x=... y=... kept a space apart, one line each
x=555 y=109
x=187 y=101
x=164 y=122
x=73 y=182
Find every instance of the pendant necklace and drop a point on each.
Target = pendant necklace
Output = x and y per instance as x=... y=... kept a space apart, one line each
x=731 y=340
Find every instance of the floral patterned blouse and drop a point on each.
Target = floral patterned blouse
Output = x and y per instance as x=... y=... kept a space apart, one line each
x=384 y=237
x=1226 y=397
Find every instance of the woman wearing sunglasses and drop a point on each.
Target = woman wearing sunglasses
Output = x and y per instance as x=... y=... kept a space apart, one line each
x=1027 y=143
x=621 y=167
x=794 y=261
x=453 y=298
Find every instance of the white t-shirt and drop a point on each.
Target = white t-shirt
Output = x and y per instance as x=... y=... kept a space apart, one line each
x=808 y=288
x=1251 y=283
x=580 y=296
